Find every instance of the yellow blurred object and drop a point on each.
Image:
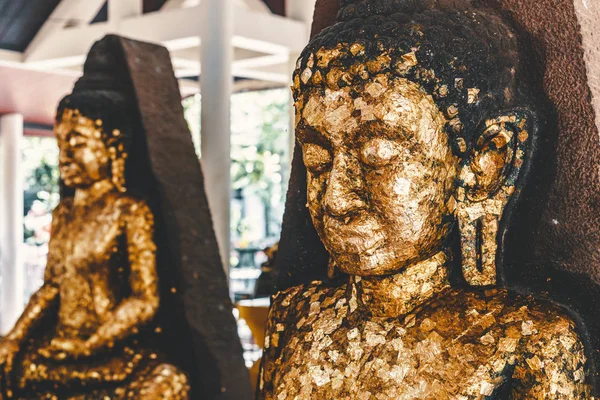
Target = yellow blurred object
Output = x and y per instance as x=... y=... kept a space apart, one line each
x=255 y=313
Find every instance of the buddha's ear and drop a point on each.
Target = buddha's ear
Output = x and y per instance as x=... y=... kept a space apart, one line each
x=494 y=166
x=489 y=177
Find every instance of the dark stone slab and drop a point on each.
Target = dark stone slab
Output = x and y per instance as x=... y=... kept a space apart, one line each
x=200 y=330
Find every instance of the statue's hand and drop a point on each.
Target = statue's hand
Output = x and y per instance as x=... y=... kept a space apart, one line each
x=8 y=351
x=62 y=349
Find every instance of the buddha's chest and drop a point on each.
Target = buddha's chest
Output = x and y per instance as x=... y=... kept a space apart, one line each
x=84 y=254
x=331 y=358
x=85 y=242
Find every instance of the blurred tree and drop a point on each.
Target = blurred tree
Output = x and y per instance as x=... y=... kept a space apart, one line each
x=258 y=167
x=41 y=194
x=259 y=146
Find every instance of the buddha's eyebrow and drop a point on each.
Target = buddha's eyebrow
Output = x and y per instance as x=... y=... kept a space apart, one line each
x=377 y=129
x=75 y=133
x=308 y=134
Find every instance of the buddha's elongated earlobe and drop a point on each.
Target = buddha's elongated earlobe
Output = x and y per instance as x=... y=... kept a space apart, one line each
x=489 y=178
x=118 y=169
x=331 y=269
x=118 y=157
x=478 y=244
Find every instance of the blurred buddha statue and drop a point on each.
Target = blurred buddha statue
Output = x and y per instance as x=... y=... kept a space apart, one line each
x=265 y=284
x=417 y=124
x=94 y=330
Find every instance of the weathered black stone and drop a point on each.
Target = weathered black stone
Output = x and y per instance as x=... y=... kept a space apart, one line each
x=200 y=330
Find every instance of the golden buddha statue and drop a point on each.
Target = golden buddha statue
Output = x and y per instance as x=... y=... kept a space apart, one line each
x=417 y=127
x=95 y=328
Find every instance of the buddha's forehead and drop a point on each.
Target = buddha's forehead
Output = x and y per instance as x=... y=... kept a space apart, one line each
x=396 y=106
x=74 y=121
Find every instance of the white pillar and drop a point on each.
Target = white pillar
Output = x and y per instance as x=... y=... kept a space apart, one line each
x=12 y=274
x=216 y=83
x=299 y=10
x=292 y=123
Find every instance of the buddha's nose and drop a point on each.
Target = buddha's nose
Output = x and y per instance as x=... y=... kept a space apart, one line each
x=342 y=195
x=65 y=155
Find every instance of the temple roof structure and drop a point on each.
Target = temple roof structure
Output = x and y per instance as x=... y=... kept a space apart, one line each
x=43 y=44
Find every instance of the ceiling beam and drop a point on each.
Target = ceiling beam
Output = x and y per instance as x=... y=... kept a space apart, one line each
x=267 y=68
x=66 y=13
x=14 y=59
x=256 y=5
x=257 y=31
x=10 y=57
x=261 y=75
x=172 y=4
x=268 y=33
x=119 y=9
x=262 y=61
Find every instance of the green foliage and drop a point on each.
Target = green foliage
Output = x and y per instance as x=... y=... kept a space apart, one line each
x=259 y=145
x=258 y=166
x=41 y=194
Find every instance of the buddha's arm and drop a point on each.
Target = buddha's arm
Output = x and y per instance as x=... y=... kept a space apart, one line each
x=13 y=343
x=270 y=355
x=141 y=306
x=555 y=367
x=46 y=297
x=36 y=309
x=280 y=313
x=39 y=306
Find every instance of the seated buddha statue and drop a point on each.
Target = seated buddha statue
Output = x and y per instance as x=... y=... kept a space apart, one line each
x=101 y=286
x=104 y=323
x=417 y=126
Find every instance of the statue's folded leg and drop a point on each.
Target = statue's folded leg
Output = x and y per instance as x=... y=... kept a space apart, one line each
x=163 y=381
x=152 y=382
x=125 y=373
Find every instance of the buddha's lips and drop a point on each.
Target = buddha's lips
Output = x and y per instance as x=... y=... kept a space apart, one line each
x=69 y=170
x=357 y=236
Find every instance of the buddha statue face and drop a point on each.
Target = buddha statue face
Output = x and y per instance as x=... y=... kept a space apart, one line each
x=86 y=153
x=406 y=130
x=381 y=173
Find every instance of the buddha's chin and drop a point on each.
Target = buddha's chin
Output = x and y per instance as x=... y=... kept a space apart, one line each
x=358 y=236
x=70 y=182
x=378 y=261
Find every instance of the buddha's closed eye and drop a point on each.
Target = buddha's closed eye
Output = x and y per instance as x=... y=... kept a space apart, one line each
x=316 y=158
x=377 y=153
x=77 y=140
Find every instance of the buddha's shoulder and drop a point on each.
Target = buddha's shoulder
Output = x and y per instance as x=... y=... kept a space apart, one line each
x=520 y=316
x=504 y=304
x=130 y=205
x=126 y=199
x=299 y=299
x=64 y=205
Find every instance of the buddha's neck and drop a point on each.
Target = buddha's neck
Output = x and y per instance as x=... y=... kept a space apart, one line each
x=396 y=295
x=84 y=196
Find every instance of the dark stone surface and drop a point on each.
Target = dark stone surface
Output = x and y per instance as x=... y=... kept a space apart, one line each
x=553 y=243
x=200 y=330
x=301 y=257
